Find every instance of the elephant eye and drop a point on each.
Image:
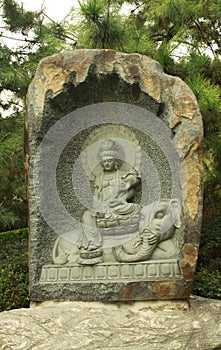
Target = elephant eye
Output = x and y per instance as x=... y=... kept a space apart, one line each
x=159 y=215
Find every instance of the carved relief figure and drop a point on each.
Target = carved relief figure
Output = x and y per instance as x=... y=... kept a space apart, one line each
x=113 y=189
x=150 y=228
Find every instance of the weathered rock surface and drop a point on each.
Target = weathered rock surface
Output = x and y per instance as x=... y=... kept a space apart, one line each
x=94 y=325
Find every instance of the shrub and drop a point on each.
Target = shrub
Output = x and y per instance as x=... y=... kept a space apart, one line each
x=208 y=276
x=207 y=283
x=14 y=269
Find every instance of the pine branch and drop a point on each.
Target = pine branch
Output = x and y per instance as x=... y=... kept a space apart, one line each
x=19 y=39
x=204 y=38
x=50 y=19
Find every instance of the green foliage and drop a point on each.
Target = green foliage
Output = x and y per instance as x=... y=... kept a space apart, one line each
x=208 y=276
x=16 y=18
x=215 y=9
x=38 y=39
x=206 y=27
x=14 y=270
x=208 y=97
x=102 y=26
x=207 y=283
x=13 y=209
x=196 y=63
x=164 y=57
x=210 y=246
x=14 y=75
x=169 y=16
x=203 y=76
x=216 y=71
x=92 y=11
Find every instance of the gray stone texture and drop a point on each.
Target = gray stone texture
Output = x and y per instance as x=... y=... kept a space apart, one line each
x=71 y=80
x=158 y=325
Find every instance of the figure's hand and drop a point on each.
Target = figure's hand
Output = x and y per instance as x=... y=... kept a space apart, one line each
x=124 y=186
x=121 y=189
x=152 y=239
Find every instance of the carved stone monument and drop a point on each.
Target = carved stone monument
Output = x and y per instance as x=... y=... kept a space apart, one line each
x=115 y=179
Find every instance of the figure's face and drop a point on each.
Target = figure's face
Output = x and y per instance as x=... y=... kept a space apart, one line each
x=109 y=164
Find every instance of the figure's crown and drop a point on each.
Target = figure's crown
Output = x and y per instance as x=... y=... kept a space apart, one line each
x=109 y=149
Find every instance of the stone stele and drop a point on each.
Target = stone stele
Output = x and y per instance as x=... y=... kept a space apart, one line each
x=114 y=179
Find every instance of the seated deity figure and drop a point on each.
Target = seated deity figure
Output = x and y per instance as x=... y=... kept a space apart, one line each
x=113 y=191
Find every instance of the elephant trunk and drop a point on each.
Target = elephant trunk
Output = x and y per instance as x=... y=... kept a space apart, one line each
x=144 y=252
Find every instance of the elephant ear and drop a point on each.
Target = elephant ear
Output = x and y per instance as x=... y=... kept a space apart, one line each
x=175 y=209
x=147 y=214
x=177 y=222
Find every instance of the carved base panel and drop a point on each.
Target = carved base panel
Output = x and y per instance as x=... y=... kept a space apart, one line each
x=139 y=271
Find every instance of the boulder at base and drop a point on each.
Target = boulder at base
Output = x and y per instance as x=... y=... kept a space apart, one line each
x=153 y=325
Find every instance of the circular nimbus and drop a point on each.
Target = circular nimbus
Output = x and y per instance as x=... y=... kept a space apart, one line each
x=130 y=118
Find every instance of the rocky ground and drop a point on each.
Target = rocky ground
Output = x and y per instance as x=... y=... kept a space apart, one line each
x=154 y=325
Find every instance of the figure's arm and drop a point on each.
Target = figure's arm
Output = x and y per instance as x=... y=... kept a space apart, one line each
x=96 y=186
x=92 y=182
x=126 y=187
x=131 y=179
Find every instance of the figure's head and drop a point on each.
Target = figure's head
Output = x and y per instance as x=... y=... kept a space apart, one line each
x=109 y=155
x=109 y=164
